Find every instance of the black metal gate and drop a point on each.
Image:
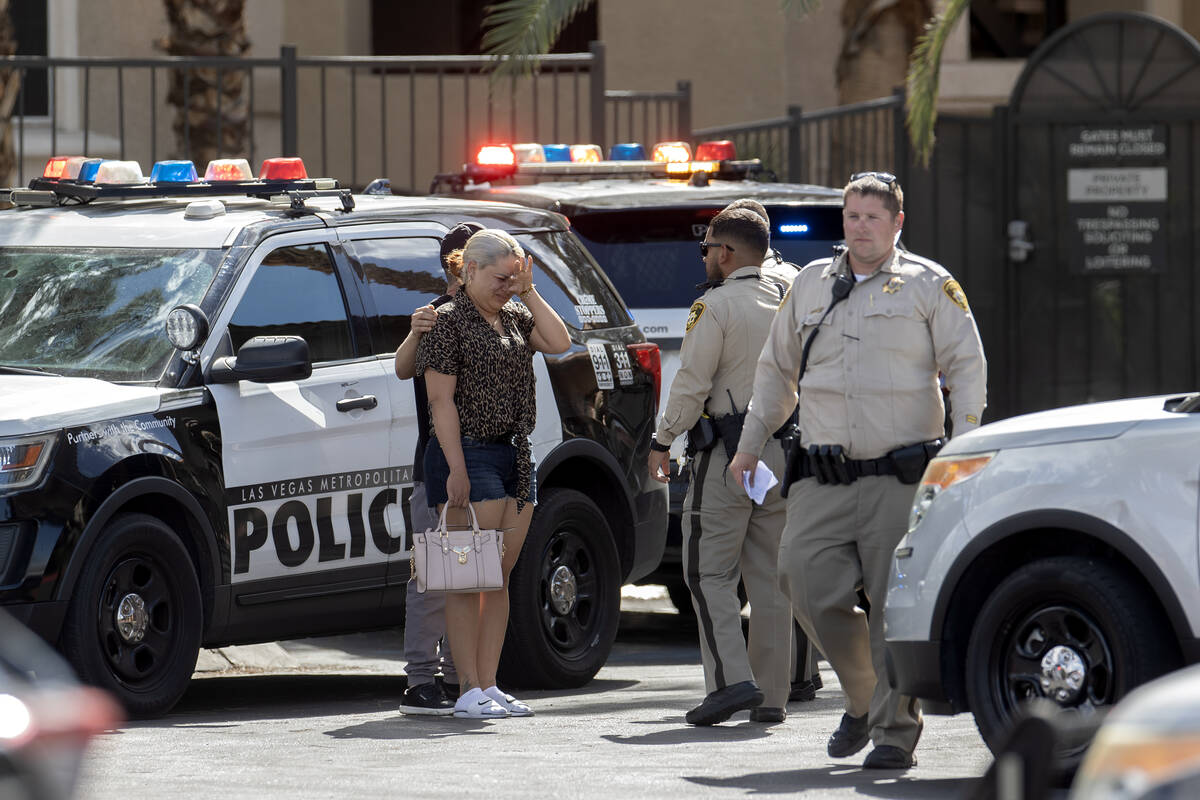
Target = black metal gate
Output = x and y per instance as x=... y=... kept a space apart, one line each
x=1071 y=217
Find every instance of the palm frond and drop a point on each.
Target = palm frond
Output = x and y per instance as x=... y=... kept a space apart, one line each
x=799 y=8
x=924 y=69
x=519 y=32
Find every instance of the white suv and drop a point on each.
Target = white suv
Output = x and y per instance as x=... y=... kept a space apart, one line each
x=1052 y=555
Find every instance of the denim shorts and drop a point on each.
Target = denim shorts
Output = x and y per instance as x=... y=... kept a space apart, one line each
x=491 y=468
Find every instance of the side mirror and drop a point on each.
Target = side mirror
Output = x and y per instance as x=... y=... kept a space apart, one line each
x=264 y=359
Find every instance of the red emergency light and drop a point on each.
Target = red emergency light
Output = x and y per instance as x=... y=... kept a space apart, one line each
x=721 y=150
x=282 y=169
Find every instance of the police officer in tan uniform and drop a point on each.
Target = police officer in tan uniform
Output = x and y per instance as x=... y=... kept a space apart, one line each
x=726 y=536
x=879 y=324
x=806 y=675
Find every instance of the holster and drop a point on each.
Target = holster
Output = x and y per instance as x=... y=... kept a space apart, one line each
x=793 y=453
x=729 y=428
x=910 y=462
x=702 y=436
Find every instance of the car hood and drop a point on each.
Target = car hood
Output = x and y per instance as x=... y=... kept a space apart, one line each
x=1060 y=425
x=35 y=403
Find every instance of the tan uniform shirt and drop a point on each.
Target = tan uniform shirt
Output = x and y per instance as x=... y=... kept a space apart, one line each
x=725 y=332
x=871 y=384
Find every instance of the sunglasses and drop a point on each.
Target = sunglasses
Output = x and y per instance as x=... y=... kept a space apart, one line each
x=705 y=245
x=882 y=177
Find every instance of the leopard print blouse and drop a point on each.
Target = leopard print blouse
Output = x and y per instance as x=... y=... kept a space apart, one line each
x=494 y=393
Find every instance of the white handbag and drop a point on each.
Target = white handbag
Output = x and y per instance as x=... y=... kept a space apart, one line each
x=458 y=561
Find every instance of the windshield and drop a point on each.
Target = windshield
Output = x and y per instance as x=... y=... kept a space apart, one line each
x=652 y=257
x=95 y=312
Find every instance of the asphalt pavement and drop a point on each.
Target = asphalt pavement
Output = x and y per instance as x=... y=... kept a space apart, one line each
x=317 y=718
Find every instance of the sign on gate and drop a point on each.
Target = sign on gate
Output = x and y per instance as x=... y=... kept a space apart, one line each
x=1117 y=211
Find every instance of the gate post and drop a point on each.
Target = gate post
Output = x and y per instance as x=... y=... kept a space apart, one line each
x=795 y=158
x=685 y=110
x=599 y=117
x=288 y=100
x=901 y=152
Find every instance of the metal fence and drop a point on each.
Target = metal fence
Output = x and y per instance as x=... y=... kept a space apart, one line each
x=822 y=147
x=353 y=118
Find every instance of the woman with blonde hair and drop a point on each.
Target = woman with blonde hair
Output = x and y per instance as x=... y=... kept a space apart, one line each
x=477 y=361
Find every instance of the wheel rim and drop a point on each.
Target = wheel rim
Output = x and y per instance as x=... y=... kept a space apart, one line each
x=138 y=621
x=571 y=592
x=1060 y=654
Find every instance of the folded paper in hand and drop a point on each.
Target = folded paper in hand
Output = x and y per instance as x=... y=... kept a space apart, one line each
x=764 y=479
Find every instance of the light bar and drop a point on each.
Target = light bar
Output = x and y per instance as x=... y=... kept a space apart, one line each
x=63 y=167
x=671 y=151
x=586 y=154
x=529 y=153
x=89 y=168
x=119 y=172
x=173 y=172
x=557 y=152
x=721 y=150
x=628 y=151
x=282 y=169
x=228 y=169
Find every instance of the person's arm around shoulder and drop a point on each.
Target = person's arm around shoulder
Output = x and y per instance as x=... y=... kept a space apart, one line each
x=549 y=334
x=959 y=353
x=423 y=320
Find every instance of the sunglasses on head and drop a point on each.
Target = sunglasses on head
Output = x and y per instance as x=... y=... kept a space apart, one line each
x=705 y=245
x=883 y=177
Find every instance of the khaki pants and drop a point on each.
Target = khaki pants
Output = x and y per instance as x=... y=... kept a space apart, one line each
x=726 y=537
x=838 y=538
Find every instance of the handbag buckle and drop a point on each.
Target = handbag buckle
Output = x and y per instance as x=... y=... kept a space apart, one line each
x=461 y=552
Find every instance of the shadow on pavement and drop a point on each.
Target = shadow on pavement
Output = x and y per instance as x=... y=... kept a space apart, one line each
x=885 y=784
x=210 y=701
x=688 y=734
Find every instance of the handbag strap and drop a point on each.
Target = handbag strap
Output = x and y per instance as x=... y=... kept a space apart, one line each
x=442 y=530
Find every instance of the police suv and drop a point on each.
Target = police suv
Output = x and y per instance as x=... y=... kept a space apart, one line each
x=203 y=442
x=1051 y=557
x=641 y=219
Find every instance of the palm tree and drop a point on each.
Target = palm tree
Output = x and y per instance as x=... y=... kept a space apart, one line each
x=208 y=100
x=10 y=87
x=923 y=72
x=878 y=37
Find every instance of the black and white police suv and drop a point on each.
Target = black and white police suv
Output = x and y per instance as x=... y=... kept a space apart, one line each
x=203 y=442
x=641 y=220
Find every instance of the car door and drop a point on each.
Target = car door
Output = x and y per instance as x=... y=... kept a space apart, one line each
x=401 y=270
x=309 y=486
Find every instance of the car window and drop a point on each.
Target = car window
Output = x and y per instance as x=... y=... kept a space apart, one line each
x=652 y=257
x=402 y=274
x=295 y=292
x=96 y=312
x=571 y=283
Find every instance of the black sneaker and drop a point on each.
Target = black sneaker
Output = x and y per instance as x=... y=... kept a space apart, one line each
x=724 y=703
x=428 y=699
x=451 y=690
x=804 y=691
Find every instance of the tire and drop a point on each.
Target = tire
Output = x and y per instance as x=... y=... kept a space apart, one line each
x=564 y=596
x=1079 y=608
x=147 y=662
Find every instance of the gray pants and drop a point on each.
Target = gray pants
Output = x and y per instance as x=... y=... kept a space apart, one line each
x=426 y=646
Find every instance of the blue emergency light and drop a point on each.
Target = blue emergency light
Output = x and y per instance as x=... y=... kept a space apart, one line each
x=87 y=172
x=173 y=172
x=557 y=152
x=793 y=228
x=628 y=151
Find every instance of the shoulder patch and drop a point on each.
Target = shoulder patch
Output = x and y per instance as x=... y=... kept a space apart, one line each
x=694 y=314
x=955 y=293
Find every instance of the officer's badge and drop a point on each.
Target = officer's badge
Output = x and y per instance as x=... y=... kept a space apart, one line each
x=893 y=286
x=955 y=293
x=694 y=314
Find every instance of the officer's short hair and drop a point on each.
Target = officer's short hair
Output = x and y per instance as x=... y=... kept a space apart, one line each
x=753 y=205
x=744 y=227
x=883 y=185
x=456 y=239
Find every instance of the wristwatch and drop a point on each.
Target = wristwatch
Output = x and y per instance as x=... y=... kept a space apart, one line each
x=659 y=448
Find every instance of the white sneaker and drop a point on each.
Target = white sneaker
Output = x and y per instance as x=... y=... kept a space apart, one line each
x=477 y=705
x=511 y=704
